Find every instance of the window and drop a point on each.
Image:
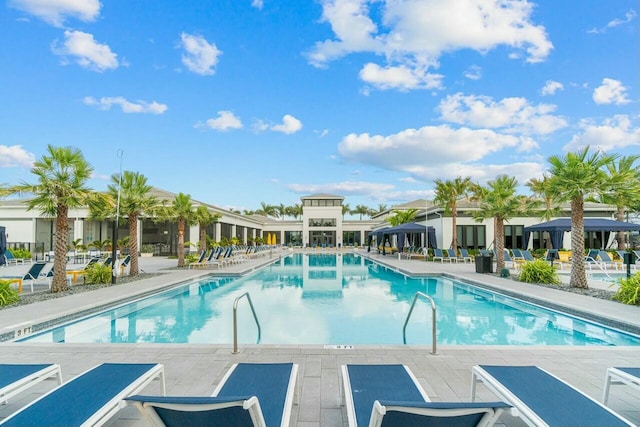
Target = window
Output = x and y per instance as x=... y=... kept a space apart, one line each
x=513 y=236
x=322 y=222
x=351 y=238
x=471 y=236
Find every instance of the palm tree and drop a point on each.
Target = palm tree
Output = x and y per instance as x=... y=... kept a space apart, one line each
x=402 y=216
x=248 y=212
x=203 y=217
x=625 y=189
x=360 y=209
x=282 y=210
x=267 y=210
x=500 y=202
x=345 y=209
x=573 y=177
x=61 y=175
x=181 y=210
x=447 y=194
x=296 y=210
x=135 y=200
x=550 y=209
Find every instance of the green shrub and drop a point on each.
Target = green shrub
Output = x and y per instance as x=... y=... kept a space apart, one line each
x=21 y=253
x=629 y=291
x=98 y=273
x=539 y=271
x=147 y=249
x=7 y=295
x=189 y=258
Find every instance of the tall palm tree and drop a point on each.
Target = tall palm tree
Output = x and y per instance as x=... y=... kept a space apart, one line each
x=361 y=210
x=447 y=195
x=267 y=210
x=573 y=177
x=625 y=189
x=500 y=202
x=296 y=211
x=549 y=207
x=345 y=209
x=61 y=176
x=181 y=211
x=203 y=217
x=282 y=210
x=135 y=201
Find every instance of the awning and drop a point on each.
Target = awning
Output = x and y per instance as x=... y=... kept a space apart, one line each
x=557 y=227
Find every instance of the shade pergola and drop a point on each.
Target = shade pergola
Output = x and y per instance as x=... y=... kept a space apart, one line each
x=411 y=227
x=557 y=227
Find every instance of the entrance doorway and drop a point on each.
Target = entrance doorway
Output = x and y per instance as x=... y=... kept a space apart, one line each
x=322 y=238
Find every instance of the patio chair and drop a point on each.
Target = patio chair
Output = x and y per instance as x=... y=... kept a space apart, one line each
x=542 y=399
x=91 y=398
x=517 y=254
x=451 y=255
x=527 y=255
x=250 y=394
x=124 y=264
x=201 y=259
x=391 y=395
x=620 y=376
x=464 y=255
x=31 y=275
x=606 y=261
x=621 y=260
x=437 y=254
x=10 y=259
x=16 y=378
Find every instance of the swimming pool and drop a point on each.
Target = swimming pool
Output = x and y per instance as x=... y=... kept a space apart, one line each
x=332 y=299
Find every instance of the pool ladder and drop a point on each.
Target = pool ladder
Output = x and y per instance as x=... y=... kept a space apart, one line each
x=235 y=321
x=433 y=320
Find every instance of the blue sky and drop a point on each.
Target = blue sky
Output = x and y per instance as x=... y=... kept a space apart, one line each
x=238 y=102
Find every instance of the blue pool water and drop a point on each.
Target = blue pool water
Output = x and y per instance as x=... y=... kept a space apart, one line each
x=332 y=299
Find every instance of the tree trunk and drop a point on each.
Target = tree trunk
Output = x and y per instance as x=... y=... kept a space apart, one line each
x=620 y=234
x=203 y=238
x=133 y=244
x=578 y=274
x=499 y=244
x=59 y=282
x=454 y=232
x=181 y=242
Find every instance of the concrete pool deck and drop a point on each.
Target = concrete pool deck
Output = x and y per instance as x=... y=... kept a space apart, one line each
x=196 y=369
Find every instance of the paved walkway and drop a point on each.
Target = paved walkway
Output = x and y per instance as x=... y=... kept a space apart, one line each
x=196 y=369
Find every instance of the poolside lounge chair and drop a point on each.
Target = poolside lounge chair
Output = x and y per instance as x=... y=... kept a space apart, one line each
x=437 y=254
x=250 y=394
x=464 y=255
x=90 y=398
x=517 y=254
x=16 y=378
x=527 y=255
x=616 y=376
x=451 y=255
x=542 y=399
x=10 y=259
x=391 y=394
x=606 y=261
x=31 y=275
x=201 y=260
x=124 y=264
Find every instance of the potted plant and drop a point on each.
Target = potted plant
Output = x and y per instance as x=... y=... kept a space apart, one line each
x=147 y=250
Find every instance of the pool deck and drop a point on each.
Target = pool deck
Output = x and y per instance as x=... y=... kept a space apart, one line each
x=196 y=369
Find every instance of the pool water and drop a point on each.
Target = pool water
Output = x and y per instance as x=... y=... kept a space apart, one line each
x=332 y=299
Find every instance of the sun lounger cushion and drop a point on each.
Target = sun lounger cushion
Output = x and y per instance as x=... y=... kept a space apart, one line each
x=15 y=378
x=87 y=399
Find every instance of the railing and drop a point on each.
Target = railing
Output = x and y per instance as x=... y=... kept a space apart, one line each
x=433 y=320
x=235 y=320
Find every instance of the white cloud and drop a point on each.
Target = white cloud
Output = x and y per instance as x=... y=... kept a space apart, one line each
x=628 y=17
x=551 y=87
x=87 y=52
x=610 y=92
x=430 y=151
x=611 y=134
x=510 y=114
x=55 y=12
x=257 y=4
x=200 y=56
x=473 y=73
x=15 y=155
x=344 y=188
x=412 y=35
x=226 y=120
x=105 y=103
x=289 y=125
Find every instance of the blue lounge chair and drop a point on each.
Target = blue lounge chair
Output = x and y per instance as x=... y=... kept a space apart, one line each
x=201 y=259
x=616 y=376
x=527 y=255
x=378 y=395
x=437 y=254
x=90 y=398
x=606 y=261
x=16 y=378
x=250 y=394
x=31 y=275
x=451 y=255
x=464 y=255
x=542 y=399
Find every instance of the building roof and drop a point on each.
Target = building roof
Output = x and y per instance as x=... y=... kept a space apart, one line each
x=322 y=196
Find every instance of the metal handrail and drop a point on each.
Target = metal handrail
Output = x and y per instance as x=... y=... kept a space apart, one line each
x=235 y=321
x=433 y=321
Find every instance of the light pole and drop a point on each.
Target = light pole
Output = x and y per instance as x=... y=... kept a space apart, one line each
x=114 y=236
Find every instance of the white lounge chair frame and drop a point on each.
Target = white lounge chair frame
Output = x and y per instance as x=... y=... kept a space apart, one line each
x=520 y=408
x=615 y=376
x=50 y=371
